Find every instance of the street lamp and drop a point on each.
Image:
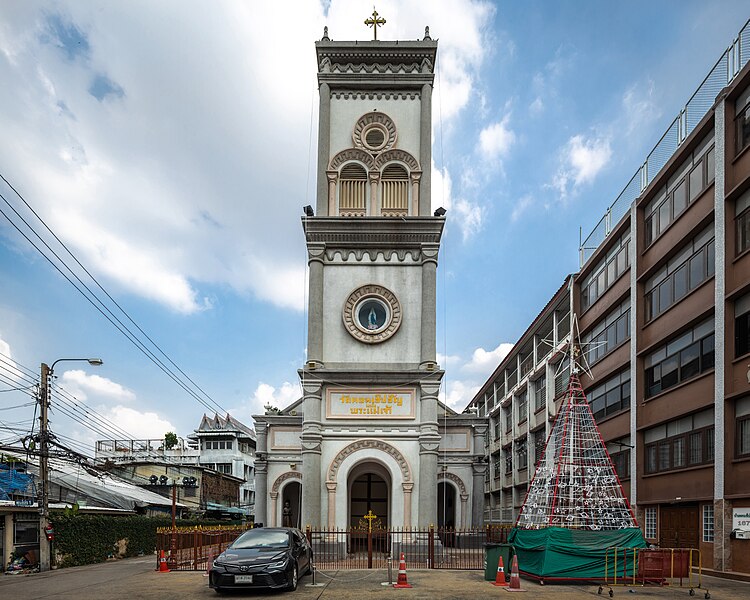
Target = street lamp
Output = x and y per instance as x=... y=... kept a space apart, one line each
x=44 y=397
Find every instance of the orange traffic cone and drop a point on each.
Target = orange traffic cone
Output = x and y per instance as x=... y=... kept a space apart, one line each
x=515 y=578
x=401 y=581
x=163 y=563
x=500 y=577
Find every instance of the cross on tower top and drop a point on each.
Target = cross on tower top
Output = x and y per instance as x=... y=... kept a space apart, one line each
x=373 y=22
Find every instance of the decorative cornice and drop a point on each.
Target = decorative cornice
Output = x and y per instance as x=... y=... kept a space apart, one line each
x=372 y=255
x=352 y=154
x=397 y=154
x=379 y=95
x=373 y=232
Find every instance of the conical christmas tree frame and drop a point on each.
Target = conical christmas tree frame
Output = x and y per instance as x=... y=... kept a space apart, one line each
x=575 y=485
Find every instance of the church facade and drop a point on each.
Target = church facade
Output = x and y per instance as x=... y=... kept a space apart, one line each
x=369 y=435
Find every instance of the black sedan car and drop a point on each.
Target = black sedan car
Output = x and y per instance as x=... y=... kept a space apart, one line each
x=273 y=557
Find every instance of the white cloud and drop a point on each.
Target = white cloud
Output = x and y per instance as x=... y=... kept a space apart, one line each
x=143 y=425
x=81 y=385
x=280 y=397
x=467 y=215
x=496 y=139
x=640 y=108
x=537 y=106
x=524 y=203
x=472 y=374
x=8 y=368
x=483 y=362
x=582 y=159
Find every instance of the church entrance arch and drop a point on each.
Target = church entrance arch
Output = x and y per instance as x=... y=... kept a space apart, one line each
x=446 y=505
x=369 y=489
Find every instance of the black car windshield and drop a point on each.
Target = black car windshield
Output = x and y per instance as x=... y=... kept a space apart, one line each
x=262 y=538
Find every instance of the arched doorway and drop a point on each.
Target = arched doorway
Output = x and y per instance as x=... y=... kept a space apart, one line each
x=292 y=493
x=369 y=487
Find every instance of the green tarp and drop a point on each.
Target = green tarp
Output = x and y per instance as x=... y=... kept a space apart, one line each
x=570 y=554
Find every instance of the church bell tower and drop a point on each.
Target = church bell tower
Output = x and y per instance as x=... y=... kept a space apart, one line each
x=371 y=380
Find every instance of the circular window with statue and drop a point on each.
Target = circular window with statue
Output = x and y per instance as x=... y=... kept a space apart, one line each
x=372 y=314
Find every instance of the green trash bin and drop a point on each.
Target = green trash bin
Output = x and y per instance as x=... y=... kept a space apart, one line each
x=492 y=552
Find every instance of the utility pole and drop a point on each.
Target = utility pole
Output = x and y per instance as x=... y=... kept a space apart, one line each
x=44 y=545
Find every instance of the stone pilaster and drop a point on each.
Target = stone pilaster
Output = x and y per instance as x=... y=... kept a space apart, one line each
x=316 y=254
x=429 y=442
x=261 y=472
x=324 y=147
x=425 y=150
x=429 y=303
x=311 y=442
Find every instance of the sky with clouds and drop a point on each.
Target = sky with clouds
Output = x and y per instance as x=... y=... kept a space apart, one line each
x=170 y=146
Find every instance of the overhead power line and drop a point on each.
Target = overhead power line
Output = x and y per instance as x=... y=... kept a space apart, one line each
x=174 y=372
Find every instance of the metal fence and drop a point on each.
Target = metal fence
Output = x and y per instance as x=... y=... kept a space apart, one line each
x=336 y=549
x=723 y=72
x=194 y=548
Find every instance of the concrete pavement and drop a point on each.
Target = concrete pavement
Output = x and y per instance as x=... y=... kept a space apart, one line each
x=135 y=578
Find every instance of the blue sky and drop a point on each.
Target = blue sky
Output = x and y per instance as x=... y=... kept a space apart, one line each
x=170 y=146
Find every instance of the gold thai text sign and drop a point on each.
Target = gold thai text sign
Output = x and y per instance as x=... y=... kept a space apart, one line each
x=370 y=403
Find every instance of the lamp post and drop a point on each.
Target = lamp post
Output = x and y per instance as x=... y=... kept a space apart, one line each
x=44 y=400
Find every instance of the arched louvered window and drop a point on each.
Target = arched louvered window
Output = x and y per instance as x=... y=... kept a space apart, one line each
x=352 y=190
x=395 y=191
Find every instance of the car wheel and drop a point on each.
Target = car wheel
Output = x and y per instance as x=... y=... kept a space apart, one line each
x=309 y=564
x=293 y=577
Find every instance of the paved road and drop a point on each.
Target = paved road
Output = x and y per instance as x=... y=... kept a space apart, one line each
x=135 y=578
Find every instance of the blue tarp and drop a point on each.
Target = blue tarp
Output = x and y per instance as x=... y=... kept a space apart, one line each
x=13 y=482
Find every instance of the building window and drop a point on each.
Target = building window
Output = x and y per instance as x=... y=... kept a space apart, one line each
x=606 y=272
x=522 y=454
x=523 y=407
x=651 y=523
x=608 y=333
x=742 y=219
x=562 y=377
x=610 y=397
x=681 y=359
x=540 y=393
x=681 y=443
x=497 y=428
x=619 y=453
x=708 y=522
x=353 y=191
x=496 y=465
x=742 y=416
x=394 y=191
x=742 y=326
x=684 y=186
x=508 y=419
x=694 y=264
x=742 y=108
x=540 y=441
x=26 y=529
x=508 y=460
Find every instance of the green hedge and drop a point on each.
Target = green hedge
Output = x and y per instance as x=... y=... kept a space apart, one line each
x=88 y=539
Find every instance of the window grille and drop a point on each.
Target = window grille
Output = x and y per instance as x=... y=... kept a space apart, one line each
x=651 y=523
x=395 y=191
x=708 y=523
x=352 y=191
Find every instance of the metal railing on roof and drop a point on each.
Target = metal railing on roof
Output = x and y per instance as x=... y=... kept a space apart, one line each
x=724 y=71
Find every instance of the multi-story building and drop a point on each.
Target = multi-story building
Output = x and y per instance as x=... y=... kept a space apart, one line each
x=220 y=444
x=663 y=304
x=519 y=400
x=228 y=446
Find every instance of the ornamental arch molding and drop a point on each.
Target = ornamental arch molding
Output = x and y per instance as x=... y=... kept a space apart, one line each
x=352 y=154
x=370 y=445
x=284 y=477
x=399 y=155
x=455 y=479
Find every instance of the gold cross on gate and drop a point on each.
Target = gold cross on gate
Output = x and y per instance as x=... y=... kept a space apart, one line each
x=373 y=22
x=369 y=516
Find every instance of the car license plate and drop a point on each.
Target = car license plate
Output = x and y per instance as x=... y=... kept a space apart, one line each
x=243 y=578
